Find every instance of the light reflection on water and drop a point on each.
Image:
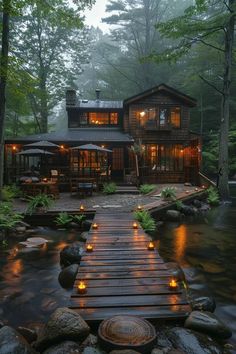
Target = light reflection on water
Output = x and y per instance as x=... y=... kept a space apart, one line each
x=206 y=249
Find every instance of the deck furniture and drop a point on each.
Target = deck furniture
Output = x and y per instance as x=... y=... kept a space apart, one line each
x=85 y=188
x=32 y=189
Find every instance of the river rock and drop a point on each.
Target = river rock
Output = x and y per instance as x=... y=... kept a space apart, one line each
x=63 y=324
x=197 y=203
x=20 y=229
x=208 y=323
x=71 y=254
x=175 y=270
x=67 y=276
x=192 y=342
x=29 y=334
x=204 y=303
x=12 y=342
x=67 y=347
x=84 y=235
x=125 y=351
x=91 y=340
x=1 y=324
x=173 y=215
x=188 y=210
x=91 y=350
x=86 y=224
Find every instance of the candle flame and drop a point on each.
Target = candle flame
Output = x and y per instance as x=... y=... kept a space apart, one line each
x=81 y=287
x=81 y=207
x=89 y=247
x=151 y=246
x=173 y=283
x=95 y=226
x=135 y=225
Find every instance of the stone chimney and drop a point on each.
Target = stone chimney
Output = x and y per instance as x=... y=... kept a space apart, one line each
x=71 y=97
x=98 y=94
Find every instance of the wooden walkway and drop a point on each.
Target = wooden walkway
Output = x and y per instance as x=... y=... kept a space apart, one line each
x=123 y=277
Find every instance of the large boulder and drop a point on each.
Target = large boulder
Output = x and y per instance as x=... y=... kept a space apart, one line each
x=204 y=303
x=63 y=324
x=67 y=347
x=125 y=351
x=192 y=342
x=67 y=276
x=208 y=323
x=173 y=215
x=71 y=254
x=188 y=210
x=12 y=342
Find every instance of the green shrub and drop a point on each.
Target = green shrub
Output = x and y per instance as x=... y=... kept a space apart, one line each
x=168 y=193
x=109 y=188
x=8 y=217
x=40 y=201
x=213 y=196
x=79 y=219
x=179 y=205
x=10 y=192
x=146 y=188
x=63 y=219
x=146 y=220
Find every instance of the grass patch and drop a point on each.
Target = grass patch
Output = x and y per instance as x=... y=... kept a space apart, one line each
x=109 y=188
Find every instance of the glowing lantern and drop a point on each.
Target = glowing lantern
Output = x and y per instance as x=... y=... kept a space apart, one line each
x=139 y=207
x=135 y=226
x=89 y=248
x=203 y=187
x=81 y=207
x=95 y=226
x=82 y=287
x=196 y=189
x=62 y=147
x=151 y=246
x=173 y=284
x=45 y=179
x=14 y=147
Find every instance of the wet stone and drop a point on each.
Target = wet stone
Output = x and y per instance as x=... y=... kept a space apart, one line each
x=204 y=303
x=175 y=270
x=91 y=350
x=71 y=254
x=12 y=342
x=67 y=347
x=29 y=334
x=125 y=351
x=191 y=342
x=173 y=215
x=207 y=322
x=67 y=276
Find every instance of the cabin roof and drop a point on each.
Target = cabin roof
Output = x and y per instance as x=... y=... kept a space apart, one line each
x=82 y=135
x=162 y=88
x=98 y=104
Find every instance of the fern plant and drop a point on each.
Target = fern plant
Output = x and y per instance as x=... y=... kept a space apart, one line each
x=63 y=219
x=146 y=188
x=79 y=219
x=213 y=196
x=146 y=220
x=39 y=202
x=109 y=188
x=168 y=193
x=8 y=218
x=179 y=205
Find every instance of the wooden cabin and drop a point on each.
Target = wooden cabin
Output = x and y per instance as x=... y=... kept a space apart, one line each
x=156 y=120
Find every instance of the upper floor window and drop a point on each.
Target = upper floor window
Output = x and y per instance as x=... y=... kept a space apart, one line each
x=160 y=117
x=99 y=118
x=175 y=117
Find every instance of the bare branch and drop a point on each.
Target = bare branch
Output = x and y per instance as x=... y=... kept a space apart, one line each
x=211 y=85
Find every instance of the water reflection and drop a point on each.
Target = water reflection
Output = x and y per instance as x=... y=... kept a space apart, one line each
x=180 y=242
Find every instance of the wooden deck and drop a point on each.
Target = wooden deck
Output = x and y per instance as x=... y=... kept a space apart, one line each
x=123 y=277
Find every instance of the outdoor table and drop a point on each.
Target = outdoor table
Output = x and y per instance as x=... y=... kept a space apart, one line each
x=32 y=189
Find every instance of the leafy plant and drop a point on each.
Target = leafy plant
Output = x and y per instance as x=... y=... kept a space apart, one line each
x=213 y=196
x=109 y=188
x=63 y=219
x=40 y=201
x=8 y=217
x=146 y=220
x=179 y=205
x=168 y=193
x=10 y=192
x=79 y=218
x=146 y=188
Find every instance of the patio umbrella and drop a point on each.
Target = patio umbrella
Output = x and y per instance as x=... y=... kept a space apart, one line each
x=43 y=144
x=34 y=152
x=91 y=147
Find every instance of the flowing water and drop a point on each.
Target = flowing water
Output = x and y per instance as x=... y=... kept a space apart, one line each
x=205 y=247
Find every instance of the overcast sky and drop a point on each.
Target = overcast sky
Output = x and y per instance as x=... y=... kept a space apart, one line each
x=93 y=17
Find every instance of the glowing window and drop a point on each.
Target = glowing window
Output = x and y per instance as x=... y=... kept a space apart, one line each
x=175 y=117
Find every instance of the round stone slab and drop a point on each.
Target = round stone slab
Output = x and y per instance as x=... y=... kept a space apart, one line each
x=127 y=332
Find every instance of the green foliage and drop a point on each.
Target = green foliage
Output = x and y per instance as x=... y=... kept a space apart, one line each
x=168 y=193
x=63 y=219
x=40 y=201
x=147 y=188
x=8 y=217
x=213 y=196
x=146 y=220
x=109 y=188
x=10 y=192
x=79 y=219
x=179 y=205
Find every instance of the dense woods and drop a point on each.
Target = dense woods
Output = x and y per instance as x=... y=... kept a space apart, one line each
x=184 y=44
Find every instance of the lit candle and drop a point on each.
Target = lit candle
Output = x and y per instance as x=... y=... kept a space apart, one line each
x=187 y=192
x=135 y=225
x=203 y=187
x=95 y=226
x=151 y=246
x=82 y=287
x=81 y=207
x=139 y=207
x=89 y=248
x=173 y=284
x=196 y=189
x=45 y=179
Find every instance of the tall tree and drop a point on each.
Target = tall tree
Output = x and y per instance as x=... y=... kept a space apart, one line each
x=211 y=23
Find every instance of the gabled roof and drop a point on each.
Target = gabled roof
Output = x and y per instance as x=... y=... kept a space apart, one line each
x=189 y=101
x=97 y=104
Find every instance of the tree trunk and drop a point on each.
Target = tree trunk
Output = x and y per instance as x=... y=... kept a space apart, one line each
x=3 y=81
x=224 y=123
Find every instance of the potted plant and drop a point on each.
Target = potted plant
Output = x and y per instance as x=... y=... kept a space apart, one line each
x=63 y=219
x=39 y=203
x=168 y=193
